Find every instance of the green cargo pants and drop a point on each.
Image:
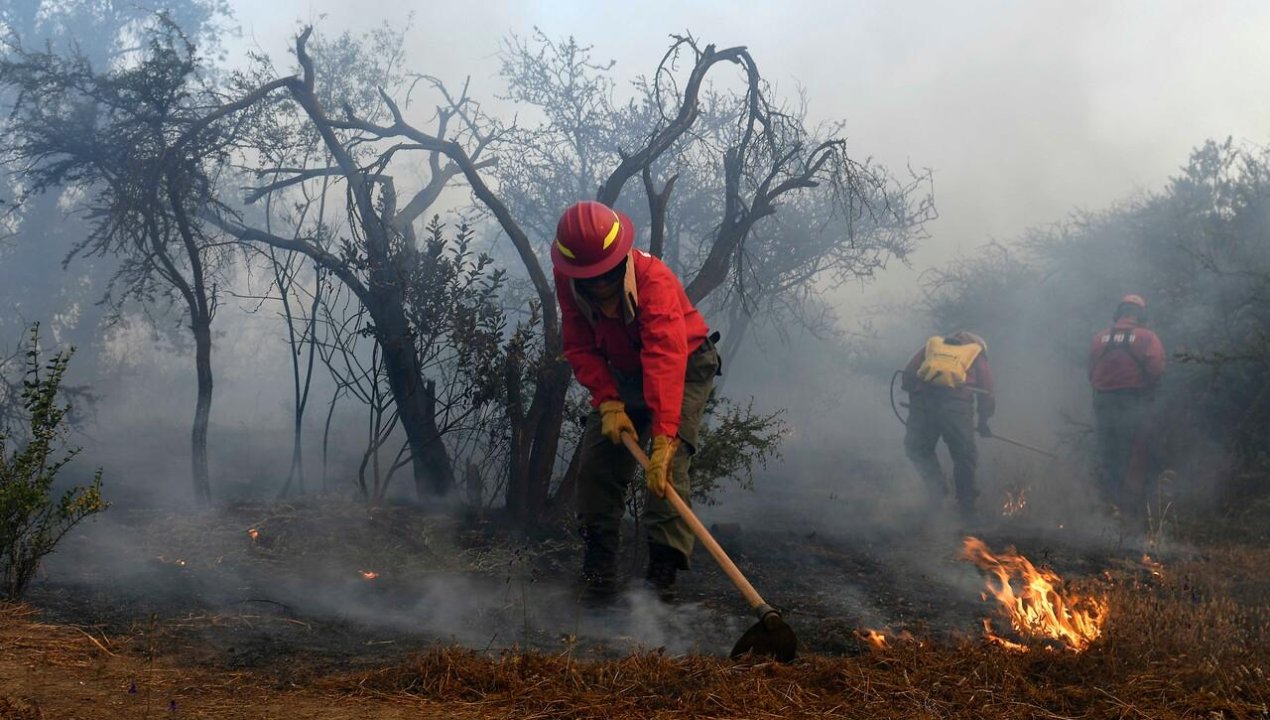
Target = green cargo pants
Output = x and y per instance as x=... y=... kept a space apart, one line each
x=934 y=415
x=607 y=469
x=1120 y=417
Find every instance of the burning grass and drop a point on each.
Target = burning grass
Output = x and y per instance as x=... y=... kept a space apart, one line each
x=1172 y=647
x=1040 y=608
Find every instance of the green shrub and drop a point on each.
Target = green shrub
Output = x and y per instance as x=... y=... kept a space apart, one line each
x=733 y=439
x=32 y=521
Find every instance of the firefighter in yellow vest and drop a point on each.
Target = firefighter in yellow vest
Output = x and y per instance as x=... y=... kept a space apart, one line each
x=945 y=380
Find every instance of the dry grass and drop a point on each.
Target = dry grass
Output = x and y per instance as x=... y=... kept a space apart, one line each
x=66 y=672
x=1185 y=640
x=1177 y=646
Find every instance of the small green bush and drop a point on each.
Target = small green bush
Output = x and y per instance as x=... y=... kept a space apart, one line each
x=734 y=438
x=32 y=522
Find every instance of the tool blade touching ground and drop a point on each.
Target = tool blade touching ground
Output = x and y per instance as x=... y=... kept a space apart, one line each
x=770 y=636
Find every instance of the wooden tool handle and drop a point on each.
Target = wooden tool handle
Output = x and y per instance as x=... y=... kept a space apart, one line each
x=729 y=568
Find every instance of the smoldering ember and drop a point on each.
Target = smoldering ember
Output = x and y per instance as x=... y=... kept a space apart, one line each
x=534 y=360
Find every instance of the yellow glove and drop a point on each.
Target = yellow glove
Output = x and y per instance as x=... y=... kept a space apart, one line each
x=614 y=421
x=659 y=461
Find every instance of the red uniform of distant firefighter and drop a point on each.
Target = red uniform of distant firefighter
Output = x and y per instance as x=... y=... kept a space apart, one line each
x=1126 y=363
x=645 y=354
x=944 y=380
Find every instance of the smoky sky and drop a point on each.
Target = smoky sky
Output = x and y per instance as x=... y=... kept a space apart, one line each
x=1023 y=110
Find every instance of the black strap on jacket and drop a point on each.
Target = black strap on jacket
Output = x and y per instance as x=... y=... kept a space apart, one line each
x=1122 y=339
x=712 y=341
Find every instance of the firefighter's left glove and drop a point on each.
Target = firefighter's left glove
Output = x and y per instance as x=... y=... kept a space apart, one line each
x=614 y=421
x=658 y=471
x=984 y=430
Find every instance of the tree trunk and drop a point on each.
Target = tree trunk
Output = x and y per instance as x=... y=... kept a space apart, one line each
x=415 y=398
x=301 y=383
x=562 y=501
x=514 y=499
x=202 y=326
x=475 y=490
x=535 y=441
x=546 y=438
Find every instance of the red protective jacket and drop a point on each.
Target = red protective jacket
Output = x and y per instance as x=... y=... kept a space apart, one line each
x=979 y=376
x=652 y=338
x=1125 y=356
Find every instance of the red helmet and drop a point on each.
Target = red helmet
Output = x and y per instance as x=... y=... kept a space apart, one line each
x=1134 y=300
x=591 y=239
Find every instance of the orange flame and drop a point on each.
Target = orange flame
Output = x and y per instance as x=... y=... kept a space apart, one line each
x=1015 y=503
x=1038 y=609
x=254 y=533
x=872 y=638
x=369 y=574
x=882 y=639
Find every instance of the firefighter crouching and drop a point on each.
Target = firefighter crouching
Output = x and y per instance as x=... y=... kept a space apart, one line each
x=644 y=353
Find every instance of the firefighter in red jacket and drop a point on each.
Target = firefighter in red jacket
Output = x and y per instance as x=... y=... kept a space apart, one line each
x=1126 y=362
x=945 y=380
x=638 y=345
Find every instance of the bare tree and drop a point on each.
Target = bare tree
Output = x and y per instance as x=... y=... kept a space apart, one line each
x=765 y=157
x=715 y=167
x=144 y=142
x=374 y=261
x=760 y=155
x=298 y=304
x=37 y=234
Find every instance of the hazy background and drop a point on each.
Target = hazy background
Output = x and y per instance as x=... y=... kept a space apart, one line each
x=1023 y=111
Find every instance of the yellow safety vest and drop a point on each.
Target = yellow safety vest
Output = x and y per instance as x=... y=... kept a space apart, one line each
x=947 y=364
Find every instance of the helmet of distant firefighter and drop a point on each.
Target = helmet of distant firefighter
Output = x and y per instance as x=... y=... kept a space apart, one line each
x=1132 y=306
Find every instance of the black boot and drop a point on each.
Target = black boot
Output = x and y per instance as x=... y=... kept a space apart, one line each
x=663 y=563
x=599 y=565
x=967 y=502
x=968 y=516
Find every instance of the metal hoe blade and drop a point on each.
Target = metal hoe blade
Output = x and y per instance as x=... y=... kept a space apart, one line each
x=769 y=637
